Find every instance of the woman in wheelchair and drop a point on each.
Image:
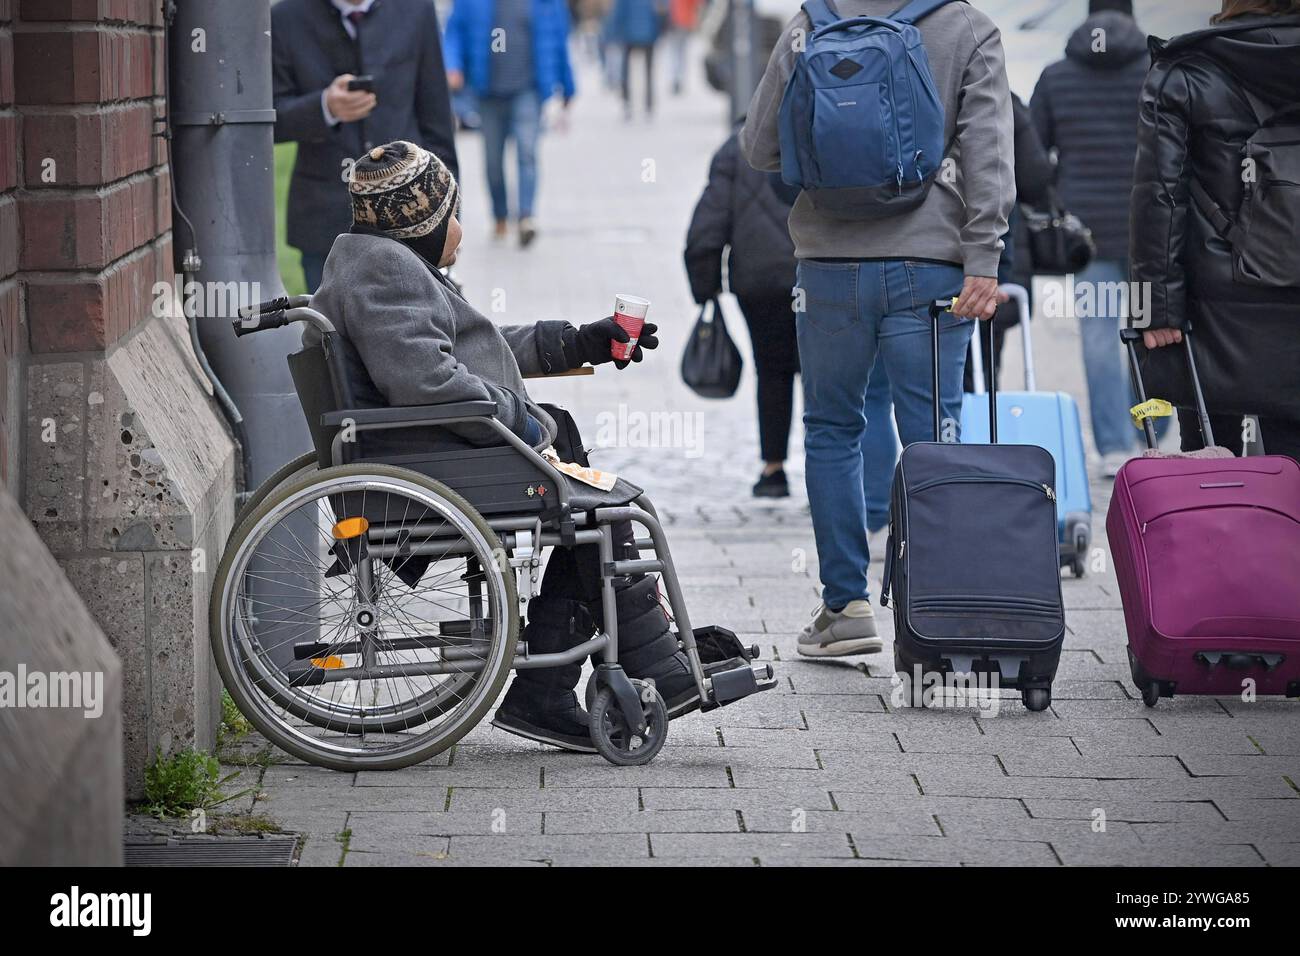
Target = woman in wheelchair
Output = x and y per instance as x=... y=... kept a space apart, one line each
x=417 y=341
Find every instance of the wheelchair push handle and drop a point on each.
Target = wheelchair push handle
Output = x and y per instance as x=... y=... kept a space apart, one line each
x=276 y=314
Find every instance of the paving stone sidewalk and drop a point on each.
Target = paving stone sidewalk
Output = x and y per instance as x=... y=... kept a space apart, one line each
x=825 y=769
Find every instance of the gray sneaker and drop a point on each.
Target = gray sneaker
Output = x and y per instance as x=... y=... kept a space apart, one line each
x=839 y=633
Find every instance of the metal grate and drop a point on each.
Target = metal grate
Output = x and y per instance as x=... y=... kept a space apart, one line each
x=213 y=851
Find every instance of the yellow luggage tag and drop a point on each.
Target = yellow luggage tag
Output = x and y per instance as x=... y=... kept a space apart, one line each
x=1152 y=408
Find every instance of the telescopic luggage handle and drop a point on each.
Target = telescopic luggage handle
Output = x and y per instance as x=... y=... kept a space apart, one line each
x=1130 y=337
x=937 y=308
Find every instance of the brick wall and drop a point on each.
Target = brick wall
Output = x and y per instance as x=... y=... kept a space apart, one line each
x=94 y=210
x=12 y=335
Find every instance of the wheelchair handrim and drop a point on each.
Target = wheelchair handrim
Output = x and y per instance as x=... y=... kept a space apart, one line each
x=260 y=685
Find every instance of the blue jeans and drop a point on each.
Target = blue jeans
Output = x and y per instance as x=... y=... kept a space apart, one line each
x=1109 y=389
x=505 y=117
x=858 y=315
x=879 y=447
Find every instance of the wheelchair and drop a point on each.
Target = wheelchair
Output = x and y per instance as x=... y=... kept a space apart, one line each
x=365 y=614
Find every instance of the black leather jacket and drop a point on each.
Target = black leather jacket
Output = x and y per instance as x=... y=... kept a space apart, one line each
x=1195 y=118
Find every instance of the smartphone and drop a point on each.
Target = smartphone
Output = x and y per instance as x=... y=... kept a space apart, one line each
x=365 y=84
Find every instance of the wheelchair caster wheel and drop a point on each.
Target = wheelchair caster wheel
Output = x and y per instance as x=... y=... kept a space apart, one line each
x=1151 y=694
x=615 y=741
x=1037 y=698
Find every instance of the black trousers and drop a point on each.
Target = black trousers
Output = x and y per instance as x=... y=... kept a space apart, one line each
x=776 y=360
x=647 y=50
x=1281 y=436
x=574 y=573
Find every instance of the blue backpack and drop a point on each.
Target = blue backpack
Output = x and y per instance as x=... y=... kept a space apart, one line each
x=861 y=123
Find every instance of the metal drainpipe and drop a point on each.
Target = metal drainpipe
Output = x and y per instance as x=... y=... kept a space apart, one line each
x=221 y=124
x=190 y=264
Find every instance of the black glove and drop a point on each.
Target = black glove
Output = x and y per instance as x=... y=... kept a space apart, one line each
x=590 y=344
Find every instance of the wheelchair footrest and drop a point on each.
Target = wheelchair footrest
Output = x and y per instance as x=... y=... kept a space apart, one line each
x=737 y=683
x=717 y=644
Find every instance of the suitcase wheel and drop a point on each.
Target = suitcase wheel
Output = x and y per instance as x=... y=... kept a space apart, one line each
x=1151 y=693
x=1036 y=698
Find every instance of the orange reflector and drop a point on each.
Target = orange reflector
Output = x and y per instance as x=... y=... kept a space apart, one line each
x=351 y=528
x=328 y=663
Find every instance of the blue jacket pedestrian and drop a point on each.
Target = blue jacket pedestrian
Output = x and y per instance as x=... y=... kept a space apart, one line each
x=467 y=45
x=636 y=22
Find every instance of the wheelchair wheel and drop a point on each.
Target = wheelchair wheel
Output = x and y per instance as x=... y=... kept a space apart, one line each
x=360 y=619
x=613 y=738
x=302 y=463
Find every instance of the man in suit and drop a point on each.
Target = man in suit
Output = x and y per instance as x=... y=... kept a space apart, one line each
x=318 y=47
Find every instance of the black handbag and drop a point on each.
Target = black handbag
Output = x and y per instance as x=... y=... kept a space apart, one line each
x=1059 y=242
x=711 y=363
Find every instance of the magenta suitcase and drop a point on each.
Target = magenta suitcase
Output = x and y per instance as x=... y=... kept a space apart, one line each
x=1207 y=553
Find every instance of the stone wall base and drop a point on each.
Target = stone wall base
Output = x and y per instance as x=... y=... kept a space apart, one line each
x=130 y=478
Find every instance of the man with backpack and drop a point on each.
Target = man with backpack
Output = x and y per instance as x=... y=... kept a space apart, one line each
x=899 y=131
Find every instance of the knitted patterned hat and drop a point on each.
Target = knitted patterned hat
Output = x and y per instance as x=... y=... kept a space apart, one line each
x=406 y=193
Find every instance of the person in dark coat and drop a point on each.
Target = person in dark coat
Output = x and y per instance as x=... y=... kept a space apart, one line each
x=1085 y=107
x=1034 y=174
x=746 y=210
x=317 y=46
x=1200 y=104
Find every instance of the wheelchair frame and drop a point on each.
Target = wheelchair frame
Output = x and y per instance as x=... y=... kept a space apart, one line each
x=523 y=538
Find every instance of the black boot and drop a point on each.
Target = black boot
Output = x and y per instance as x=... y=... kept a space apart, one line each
x=541 y=704
x=647 y=646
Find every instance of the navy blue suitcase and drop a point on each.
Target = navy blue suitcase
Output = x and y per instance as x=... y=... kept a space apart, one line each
x=972 y=569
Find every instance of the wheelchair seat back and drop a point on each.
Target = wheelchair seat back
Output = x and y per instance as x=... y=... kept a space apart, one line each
x=495 y=479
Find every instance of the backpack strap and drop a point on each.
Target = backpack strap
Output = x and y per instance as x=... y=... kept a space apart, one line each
x=821 y=12
x=917 y=10
x=1213 y=211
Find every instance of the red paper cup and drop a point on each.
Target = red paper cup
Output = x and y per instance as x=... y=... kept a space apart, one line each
x=629 y=313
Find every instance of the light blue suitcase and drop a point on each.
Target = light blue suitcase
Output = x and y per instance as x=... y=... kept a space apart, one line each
x=1047 y=419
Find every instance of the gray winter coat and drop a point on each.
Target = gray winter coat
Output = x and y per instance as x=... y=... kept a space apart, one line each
x=412 y=339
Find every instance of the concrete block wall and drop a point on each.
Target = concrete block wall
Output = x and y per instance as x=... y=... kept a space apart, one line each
x=60 y=767
x=124 y=466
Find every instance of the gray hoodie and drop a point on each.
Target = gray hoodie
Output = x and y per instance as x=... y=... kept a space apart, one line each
x=961 y=222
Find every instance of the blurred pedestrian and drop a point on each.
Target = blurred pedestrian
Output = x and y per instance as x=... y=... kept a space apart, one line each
x=744 y=211
x=636 y=26
x=322 y=52
x=683 y=18
x=514 y=55
x=865 y=285
x=1220 y=132
x=1085 y=107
